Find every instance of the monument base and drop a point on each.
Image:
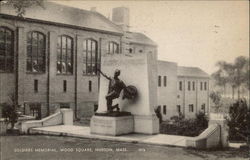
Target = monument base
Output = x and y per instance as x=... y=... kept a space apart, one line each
x=114 y=126
x=146 y=124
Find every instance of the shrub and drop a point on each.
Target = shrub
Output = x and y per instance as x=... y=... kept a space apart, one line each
x=239 y=121
x=185 y=127
x=9 y=112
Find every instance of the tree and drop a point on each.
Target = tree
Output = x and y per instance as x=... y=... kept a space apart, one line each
x=236 y=74
x=21 y=5
x=221 y=76
x=240 y=64
x=216 y=98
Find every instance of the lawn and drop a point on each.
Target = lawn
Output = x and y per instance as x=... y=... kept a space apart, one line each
x=39 y=147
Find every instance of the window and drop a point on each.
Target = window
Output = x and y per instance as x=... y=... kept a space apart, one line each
x=35 y=85
x=140 y=51
x=205 y=86
x=64 y=55
x=191 y=108
x=90 y=86
x=178 y=108
x=130 y=50
x=159 y=81
x=35 y=110
x=91 y=57
x=193 y=85
x=201 y=86
x=64 y=105
x=189 y=85
x=164 y=109
x=6 y=50
x=203 y=107
x=35 y=52
x=165 y=81
x=64 y=86
x=159 y=108
x=180 y=85
x=113 y=48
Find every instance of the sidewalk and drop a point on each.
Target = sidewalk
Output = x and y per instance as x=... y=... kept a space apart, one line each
x=84 y=132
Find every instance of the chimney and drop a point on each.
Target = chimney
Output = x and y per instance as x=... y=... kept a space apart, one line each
x=120 y=16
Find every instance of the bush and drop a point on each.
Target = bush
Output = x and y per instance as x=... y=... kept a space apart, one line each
x=9 y=112
x=239 y=121
x=185 y=127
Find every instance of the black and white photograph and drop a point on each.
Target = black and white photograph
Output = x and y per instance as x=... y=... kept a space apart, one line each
x=124 y=80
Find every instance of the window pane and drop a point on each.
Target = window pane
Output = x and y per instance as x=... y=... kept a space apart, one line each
x=29 y=50
x=63 y=54
x=9 y=46
x=63 y=42
x=93 y=48
x=59 y=54
x=41 y=52
x=29 y=65
x=9 y=64
x=1 y=35
x=59 y=67
x=41 y=41
x=93 y=69
x=63 y=65
x=93 y=57
x=41 y=66
x=34 y=51
x=69 y=43
x=89 y=68
x=35 y=66
x=29 y=38
x=69 y=55
x=69 y=67
x=8 y=36
x=59 y=42
x=84 y=68
x=84 y=57
x=88 y=45
x=2 y=52
x=34 y=38
x=2 y=46
x=84 y=45
x=2 y=63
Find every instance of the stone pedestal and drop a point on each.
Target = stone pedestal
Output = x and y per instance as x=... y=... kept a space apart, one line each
x=146 y=124
x=67 y=116
x=114 y=126
x=221 y=121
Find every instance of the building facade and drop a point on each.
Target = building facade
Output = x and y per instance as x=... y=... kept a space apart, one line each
x=49 y=60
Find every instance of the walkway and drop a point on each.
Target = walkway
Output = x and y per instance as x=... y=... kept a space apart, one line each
x=84 y=132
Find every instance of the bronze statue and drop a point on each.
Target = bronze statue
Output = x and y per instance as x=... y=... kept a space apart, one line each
x=115 y=87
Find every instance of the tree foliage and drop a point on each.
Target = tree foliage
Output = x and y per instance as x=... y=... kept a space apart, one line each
x=239 y=121
x=235 y=74
x=21 y=5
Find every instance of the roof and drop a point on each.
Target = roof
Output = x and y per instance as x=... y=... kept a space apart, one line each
x=140 y=38
x=191 y=72
x=57 y=13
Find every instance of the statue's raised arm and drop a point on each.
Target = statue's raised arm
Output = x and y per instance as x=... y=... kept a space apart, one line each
x=104 y=75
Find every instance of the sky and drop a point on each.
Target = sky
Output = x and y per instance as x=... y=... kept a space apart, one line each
x=190 y=33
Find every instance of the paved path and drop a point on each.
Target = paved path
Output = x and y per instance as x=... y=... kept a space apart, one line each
x=84 y=132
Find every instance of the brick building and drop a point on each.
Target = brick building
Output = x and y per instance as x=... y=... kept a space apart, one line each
x=49 y=58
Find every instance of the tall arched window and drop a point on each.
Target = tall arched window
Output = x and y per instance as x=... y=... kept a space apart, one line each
x=91 y=58
x=36 y=52
x=65 y=55
x=113 y=48
x=6 y=50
